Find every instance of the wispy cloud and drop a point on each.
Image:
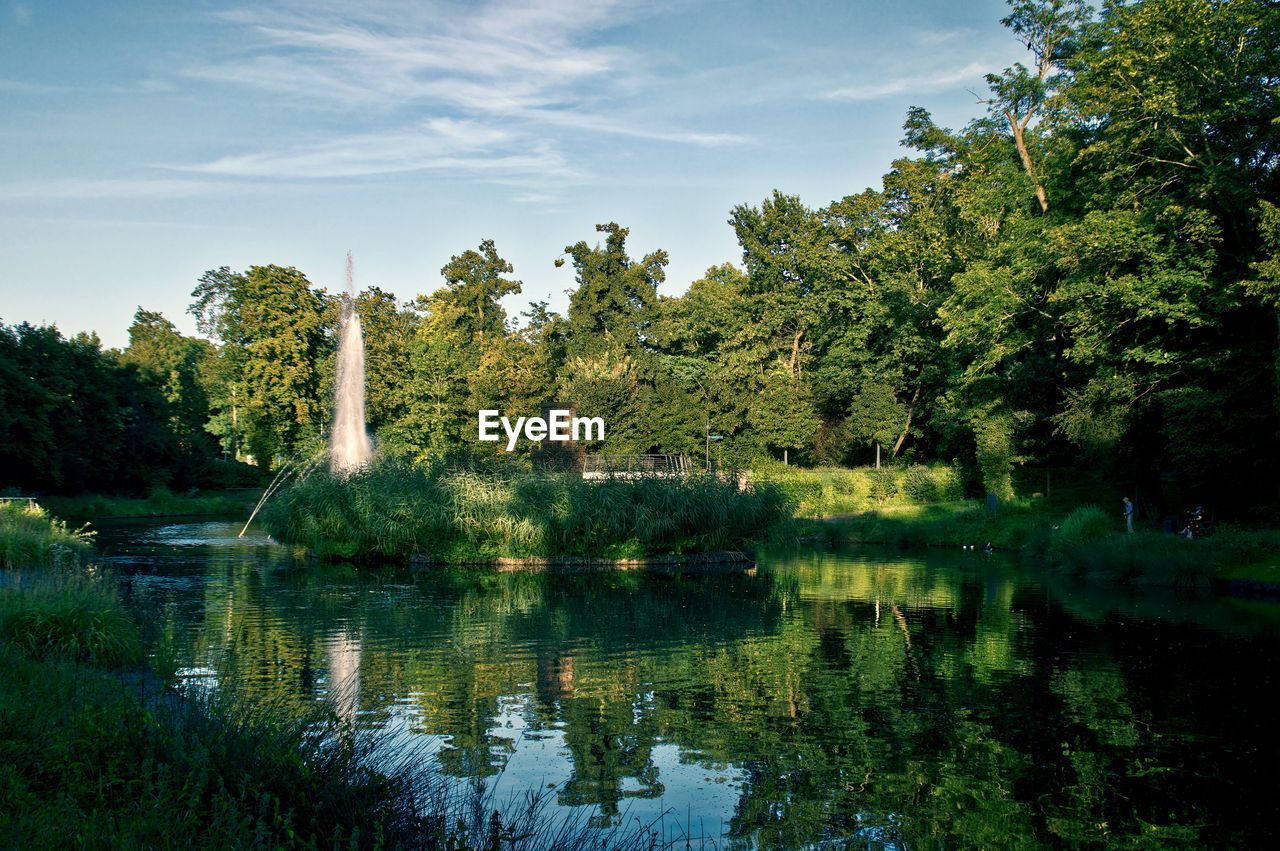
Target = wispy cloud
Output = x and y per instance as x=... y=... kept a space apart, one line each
x=23 y=87
x=910 y=83
x=483 y=88
x=91 y=189
x=434 y=144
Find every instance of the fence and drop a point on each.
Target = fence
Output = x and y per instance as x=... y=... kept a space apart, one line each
x=635 y=466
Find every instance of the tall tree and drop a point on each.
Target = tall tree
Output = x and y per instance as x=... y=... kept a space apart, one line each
x=271 y=325
x=611 y=307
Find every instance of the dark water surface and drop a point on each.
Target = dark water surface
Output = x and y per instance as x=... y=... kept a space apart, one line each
x=868 y=698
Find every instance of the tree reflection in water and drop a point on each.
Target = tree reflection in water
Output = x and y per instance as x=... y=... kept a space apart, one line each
x=916 y=701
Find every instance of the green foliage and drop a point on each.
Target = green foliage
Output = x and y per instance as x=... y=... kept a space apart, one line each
x=29 y=537
x=1081 y=529
x=884 y=484
x=160 y=502
x=1086 y=271
x=393 y=510
x=275 y=336
x=69 y=617
x=993 y=436
x=833 y=491
x=919 y=484
x=611 y=307
x=74 y=417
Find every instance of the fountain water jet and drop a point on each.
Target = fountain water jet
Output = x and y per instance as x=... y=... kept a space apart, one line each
x=349 y=444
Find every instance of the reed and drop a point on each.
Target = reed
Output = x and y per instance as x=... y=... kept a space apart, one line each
x=394 y=509
x=30 y=537
x=69 y=615
x=833 y=491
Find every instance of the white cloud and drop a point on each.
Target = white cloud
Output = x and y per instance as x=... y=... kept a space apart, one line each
x=434 y=144
x=499 y=81
x=910 y=83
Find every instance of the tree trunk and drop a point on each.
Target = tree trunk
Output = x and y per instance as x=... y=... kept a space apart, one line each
x=795 y=352
x=906 y=428
x=1021 y=142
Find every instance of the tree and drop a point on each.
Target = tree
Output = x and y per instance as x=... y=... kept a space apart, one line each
x=876 y=417
x=474 y=282
x=782 y=414
x=272 y=329
x=611 y=307
x=388 y=335
x=1049 y=30
x=791 y=267
x=174 y=364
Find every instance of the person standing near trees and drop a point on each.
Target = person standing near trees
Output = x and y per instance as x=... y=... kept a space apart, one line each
x=1128 y=515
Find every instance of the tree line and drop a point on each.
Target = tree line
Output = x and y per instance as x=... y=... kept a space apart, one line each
x=1088 y=273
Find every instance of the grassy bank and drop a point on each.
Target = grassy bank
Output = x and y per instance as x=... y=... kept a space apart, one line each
x=160 y=503
x=30 y=537
x=395 y=509
x=91 y=752
x=834 y=491
x=1086 y=541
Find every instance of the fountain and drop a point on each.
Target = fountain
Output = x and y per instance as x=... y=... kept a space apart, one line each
x=349 y=444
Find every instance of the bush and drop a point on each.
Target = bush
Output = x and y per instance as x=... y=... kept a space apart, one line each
x=919 y=485
x=73 y=618
x=829 y=491
x=1083 y=526
x=884 y=483
x=29 y=537
x=394 y=509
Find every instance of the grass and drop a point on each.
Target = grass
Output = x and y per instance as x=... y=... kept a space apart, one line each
x=161 y=502
x=1086 y=542
x=30 y=537
x=1014 y=525
x=833 y=491
x=395 y=509
x=69 y=616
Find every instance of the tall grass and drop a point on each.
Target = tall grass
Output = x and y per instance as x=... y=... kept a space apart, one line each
x=71 y=616
x=1080 y=532
x=831 y=491
x=30 y=537
x=395 y=509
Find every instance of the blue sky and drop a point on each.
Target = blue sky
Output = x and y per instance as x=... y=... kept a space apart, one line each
x=145 y=142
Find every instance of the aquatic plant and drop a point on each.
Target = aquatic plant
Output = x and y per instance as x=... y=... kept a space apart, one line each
x=69 y=616
x=394 y=509
x=1079 y=531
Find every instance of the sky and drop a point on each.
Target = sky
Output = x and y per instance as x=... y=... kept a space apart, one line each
x=145 y=141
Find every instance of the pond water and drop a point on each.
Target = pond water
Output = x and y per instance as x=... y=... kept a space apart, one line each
x=862 y=698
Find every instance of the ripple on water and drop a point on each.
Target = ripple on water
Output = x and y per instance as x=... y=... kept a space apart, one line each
x=833 y=697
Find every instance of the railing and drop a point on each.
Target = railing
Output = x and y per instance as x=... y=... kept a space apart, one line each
x=634 y=466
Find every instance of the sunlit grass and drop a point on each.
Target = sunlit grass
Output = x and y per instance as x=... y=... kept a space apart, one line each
x=394 y=509
x=30 y=537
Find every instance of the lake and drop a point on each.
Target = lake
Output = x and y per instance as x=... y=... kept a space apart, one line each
x=866 y=698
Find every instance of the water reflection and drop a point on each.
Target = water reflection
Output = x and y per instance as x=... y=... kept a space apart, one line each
x=831 y=697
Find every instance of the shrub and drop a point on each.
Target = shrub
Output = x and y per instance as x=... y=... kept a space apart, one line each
x=1083 y=526
x=919 y=485
x=73 y=618
x=29 y=537
x=884 y=483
